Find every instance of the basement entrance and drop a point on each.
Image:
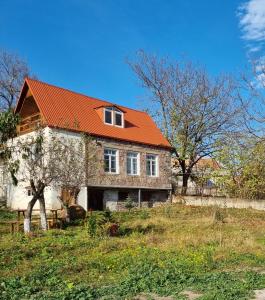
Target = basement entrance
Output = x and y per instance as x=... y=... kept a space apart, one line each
x=95 y=199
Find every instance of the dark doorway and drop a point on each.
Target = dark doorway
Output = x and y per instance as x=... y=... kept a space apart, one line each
x=146 y=196
x=95 y=199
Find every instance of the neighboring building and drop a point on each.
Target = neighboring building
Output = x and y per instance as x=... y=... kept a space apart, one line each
x=136 y=158
x=201 y=181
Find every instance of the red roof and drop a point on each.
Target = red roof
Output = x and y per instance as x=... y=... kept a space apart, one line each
x=63 y=108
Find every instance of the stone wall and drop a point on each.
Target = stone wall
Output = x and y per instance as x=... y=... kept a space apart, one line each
x=220 y=201
x=102 y=179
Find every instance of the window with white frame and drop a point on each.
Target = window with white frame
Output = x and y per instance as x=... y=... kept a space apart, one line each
x=111 y=160
x=118 y=118
x=133 y=163
x=108 y=116
x=113 y=116
x=151 y=165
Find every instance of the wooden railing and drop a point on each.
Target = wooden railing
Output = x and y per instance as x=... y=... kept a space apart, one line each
x=29 y=124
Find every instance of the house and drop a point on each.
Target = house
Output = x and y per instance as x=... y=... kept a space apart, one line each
x=136 y=157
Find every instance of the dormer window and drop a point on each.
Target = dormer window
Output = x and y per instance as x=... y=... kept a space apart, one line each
x=118 y=118
x=113 y=116
x=108 y=116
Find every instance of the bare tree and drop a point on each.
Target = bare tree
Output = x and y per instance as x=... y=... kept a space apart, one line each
x=252 y=97
x=47 y=158
x=194 y=111
x=80 y=163
x=13 y=70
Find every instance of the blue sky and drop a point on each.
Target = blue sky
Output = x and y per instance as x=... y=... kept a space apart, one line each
x=82 y=44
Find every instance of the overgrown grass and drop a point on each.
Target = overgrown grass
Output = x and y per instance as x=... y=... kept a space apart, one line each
x=6 y=215
x=159 y=251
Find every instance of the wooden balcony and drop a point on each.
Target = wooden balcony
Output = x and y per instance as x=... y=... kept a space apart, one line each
x=29 y=124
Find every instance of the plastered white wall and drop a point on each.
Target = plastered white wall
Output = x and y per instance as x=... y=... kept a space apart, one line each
x=82 y=198
x=17 y=197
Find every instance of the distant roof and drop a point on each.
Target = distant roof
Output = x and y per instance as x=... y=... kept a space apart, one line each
x=60 y=106
x=203 y=163
x=208 y=162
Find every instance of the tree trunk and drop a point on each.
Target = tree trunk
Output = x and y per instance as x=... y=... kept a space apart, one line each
x=43 y=217
x=28 y=213
x=66 y=210
x=75 y=191
x=185 y=178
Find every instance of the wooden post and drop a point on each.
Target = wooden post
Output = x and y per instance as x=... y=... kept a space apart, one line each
x=139 y=198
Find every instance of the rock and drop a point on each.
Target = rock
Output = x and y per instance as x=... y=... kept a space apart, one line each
x=259 y=294
x=76 y=212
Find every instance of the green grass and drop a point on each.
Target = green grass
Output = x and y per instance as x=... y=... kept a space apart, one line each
x=6 y=215
x=161 y=251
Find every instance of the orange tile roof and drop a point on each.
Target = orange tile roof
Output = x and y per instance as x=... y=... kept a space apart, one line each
x=63 y=108
x=208 y=163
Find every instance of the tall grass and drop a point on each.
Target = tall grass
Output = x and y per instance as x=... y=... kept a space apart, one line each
x=161 y=250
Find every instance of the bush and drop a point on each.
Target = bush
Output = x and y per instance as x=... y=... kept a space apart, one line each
x=218 y=215
x=113 y=229
x=129 y=204
x=98 y=223
x=92 y=225
x=144 y=214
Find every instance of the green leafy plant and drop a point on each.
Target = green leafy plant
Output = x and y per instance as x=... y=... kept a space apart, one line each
x=92 y=225
x=144 y=214
x=129 y=204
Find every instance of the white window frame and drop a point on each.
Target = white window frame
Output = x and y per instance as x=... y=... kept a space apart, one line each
x=111 y=111
x=156 y=165
x=114 y=111
x=131 y=163
x=116 y=161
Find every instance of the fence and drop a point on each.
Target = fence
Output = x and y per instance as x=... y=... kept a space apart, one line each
x=219 y=201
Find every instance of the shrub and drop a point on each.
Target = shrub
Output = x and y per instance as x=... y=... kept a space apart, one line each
x=129 y=204
x=113 y=229
x=92 y=225
x=98 y=223
x=218 y=215
x=108 y=215
x=144 y=214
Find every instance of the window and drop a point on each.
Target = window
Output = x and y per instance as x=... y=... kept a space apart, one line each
x=110 y=161
x=29 y=191
x=132 y=163
x=108 y=116
x=118 y=119
x=113 y=116
x=152 y=165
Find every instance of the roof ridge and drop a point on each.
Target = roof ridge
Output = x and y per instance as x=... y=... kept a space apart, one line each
x=68 y=90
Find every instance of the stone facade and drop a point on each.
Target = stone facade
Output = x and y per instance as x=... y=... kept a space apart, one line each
x=114 y=187
x=122 y=179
